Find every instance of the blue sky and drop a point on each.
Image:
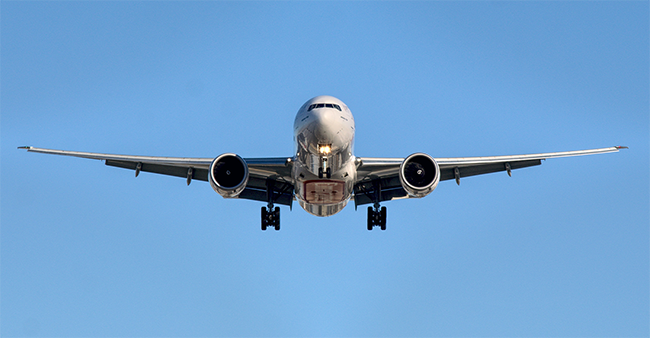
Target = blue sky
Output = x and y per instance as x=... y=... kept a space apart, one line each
x=556 y=250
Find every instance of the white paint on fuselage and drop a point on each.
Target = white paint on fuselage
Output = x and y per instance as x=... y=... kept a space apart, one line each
x=314 y=129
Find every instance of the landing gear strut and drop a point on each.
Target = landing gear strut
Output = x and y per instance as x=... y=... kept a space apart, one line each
x=327 y=173
x=377 y=217
x=377 y=214
x=270 y=215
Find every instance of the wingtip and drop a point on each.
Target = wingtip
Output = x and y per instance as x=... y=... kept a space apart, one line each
x=25 y=147
x=621 y=147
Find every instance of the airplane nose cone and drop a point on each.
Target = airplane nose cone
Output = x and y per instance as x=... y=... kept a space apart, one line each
x=326 y=126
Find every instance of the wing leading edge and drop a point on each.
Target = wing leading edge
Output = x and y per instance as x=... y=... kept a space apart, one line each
x=381 y=174
x=264 y=172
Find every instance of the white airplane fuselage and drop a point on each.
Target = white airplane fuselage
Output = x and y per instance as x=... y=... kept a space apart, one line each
x=324 y=168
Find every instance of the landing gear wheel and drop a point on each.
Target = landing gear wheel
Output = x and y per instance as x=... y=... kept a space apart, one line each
x=276 y=218
x=270 y=218
x=328 y=172
x=377 y=217
x=265 y=219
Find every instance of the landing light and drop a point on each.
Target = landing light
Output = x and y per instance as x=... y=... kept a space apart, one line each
x=325 y=149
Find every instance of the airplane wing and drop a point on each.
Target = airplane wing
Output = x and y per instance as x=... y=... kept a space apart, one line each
x=382 y=173
x=274 y=170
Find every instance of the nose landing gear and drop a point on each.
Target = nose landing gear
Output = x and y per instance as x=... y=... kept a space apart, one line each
x=324 y=169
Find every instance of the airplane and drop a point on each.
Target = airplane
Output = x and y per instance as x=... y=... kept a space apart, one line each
x=323 y=174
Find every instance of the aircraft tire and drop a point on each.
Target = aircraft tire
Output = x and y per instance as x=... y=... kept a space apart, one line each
x=264 y=218
x=371 y=218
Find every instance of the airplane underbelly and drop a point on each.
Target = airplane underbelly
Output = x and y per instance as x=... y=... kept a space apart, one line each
x=322 y=210
x=323 y=197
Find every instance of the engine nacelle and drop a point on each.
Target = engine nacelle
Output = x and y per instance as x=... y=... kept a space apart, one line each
x=419 y=174
x=228 y=175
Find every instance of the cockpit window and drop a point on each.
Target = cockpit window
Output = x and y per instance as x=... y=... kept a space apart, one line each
x=324 y=105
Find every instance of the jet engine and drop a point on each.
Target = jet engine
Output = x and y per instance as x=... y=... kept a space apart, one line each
x=228 y=175
x=419 y=174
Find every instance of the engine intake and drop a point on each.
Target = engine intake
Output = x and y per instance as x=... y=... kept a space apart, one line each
x=228 y=175
x=419 y=174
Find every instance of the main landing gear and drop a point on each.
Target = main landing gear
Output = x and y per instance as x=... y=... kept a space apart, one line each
x=376 y=213
x=377 y=217
x=271 y=217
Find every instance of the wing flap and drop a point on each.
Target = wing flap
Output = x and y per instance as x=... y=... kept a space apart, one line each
x=447 y=172
x=178 y=171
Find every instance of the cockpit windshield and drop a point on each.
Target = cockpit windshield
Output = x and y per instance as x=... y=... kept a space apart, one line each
x=324 y=105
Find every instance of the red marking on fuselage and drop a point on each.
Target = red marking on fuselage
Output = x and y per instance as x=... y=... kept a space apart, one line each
x=323 y=191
